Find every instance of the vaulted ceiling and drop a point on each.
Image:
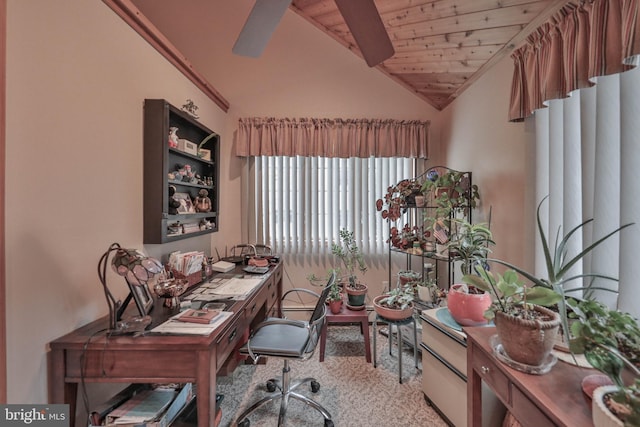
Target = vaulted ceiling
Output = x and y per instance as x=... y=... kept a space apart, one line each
x=441 y=46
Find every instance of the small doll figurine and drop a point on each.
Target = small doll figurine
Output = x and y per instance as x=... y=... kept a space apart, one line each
x=203 y=203
x=173 y=203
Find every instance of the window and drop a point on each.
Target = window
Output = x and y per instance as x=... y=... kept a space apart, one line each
x=301 y=203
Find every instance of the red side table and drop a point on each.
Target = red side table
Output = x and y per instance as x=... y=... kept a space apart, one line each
x=347 y=316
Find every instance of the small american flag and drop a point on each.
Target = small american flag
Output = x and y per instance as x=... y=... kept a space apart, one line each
x=440 y=232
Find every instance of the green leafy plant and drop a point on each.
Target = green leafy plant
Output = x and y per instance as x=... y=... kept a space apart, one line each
x=470 y=242
x=398 y=298
x=558 y=264
x=349 y=253
x=610 y=341
x=509 y=293
x=450 y=191
x=334 y=292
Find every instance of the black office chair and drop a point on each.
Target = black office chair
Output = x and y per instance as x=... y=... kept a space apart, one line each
x=288 y=339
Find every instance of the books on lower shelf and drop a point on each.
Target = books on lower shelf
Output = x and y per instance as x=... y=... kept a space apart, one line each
x=148 y=407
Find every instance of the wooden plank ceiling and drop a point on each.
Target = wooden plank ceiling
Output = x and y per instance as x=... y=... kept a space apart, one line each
x=441 y=46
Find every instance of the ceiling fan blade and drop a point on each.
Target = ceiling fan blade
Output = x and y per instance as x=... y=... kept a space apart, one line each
x=261 y=23
x=366 y=26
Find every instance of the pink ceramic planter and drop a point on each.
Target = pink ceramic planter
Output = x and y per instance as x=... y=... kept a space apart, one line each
x=467 y=309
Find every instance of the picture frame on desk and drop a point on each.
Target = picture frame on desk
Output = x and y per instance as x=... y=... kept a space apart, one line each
x=143 y=298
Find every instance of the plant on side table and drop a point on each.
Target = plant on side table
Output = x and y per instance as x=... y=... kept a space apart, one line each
x=352 y=258
x=396 y=304
x=610 y=341
x=334 y=298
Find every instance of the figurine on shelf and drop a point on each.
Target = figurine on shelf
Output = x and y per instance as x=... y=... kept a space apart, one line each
x=173 y=203
x=203 y=203
x=191 y=108
x=173 y=137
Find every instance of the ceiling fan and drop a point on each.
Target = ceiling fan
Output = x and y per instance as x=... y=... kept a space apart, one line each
x=361 y=16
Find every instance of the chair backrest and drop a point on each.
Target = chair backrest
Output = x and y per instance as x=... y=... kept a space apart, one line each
x=320 y=309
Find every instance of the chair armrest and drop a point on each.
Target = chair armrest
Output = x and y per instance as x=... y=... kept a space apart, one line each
x=306 y=291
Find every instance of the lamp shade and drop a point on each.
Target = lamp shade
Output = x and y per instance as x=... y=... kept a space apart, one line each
x=135 y=266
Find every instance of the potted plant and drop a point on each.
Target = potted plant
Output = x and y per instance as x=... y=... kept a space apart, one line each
x=450 y=190
x=427 y=289
x=526 y=328
x=334 y=298
x=396 y=304
x=406 y=276
x=610 y=341
x=559 y=265
x=469 y=243
x=351 y=258
x=399 y=197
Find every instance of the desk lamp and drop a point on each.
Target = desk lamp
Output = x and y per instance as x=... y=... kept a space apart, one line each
x=137 y=269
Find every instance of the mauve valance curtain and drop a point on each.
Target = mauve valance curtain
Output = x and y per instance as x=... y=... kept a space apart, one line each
x=342 y=138
x=584 y=39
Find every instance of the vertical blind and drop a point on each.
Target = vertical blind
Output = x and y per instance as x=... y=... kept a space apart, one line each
x=588 y=158
x=301 y=203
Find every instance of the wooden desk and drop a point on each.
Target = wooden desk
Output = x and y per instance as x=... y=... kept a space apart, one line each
x=553 y=399
x=86 y=354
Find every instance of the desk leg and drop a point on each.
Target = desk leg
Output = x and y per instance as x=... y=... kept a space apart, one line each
x=206 y=388
x=474 y=392
x=59 y=390
x=323 y=340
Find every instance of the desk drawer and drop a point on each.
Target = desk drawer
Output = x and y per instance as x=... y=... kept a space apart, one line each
x=526 y=412
x=272 y=293
x=449 y=349
x=105 y=363
x=486 y=367
x=445 y=389
x=230 y=340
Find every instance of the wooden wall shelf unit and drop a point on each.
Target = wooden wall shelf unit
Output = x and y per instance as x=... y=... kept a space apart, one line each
x=552 y=399
x=160 y=160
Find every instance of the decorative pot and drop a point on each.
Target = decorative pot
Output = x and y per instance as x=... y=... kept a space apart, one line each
x=528 y=341
x=406 y=276
x=467 y=309
x=425 y=293
x=390 y=313
x=356 y=297
x=602 y=416
x=335 y=306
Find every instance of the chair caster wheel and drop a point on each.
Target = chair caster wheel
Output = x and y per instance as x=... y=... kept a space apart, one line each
x=271 y=387
x=246 y=422
x=315 y=386
x=328 y=423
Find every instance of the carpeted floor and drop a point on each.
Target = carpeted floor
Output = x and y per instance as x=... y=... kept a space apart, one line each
x=356 y=394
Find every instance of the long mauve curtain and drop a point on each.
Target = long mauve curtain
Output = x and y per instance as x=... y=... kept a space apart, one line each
x=331 y=138
x=585 y=39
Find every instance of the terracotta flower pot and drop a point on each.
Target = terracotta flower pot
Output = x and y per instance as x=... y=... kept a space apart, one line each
x=467 y=309
x=406 y=276
x=335 y=306
x=390 y=313
x=528 y=341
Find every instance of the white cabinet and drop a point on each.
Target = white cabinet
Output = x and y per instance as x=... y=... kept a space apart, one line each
x=444 y=374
